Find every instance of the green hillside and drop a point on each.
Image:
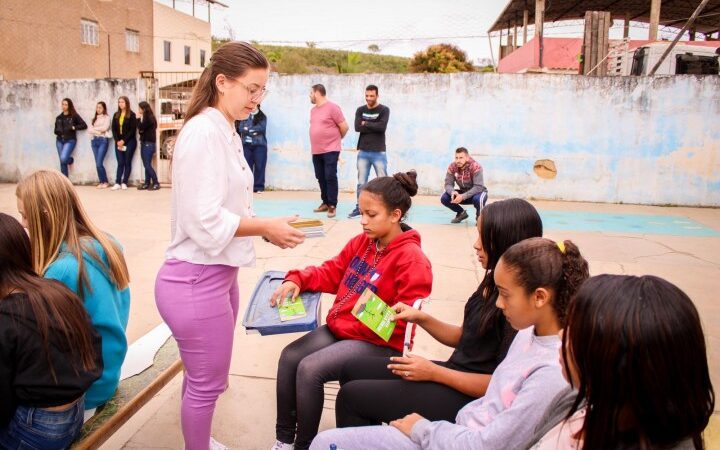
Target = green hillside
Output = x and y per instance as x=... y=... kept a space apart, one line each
x=291 y=60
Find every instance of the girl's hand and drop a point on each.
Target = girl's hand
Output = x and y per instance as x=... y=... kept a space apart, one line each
x=279 y=233
x=407 y=423
x=407 y=313
x=120 y=143
x=413 y=368
x=283 y=292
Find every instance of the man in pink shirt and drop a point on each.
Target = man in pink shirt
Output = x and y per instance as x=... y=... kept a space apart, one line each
x=327 y=128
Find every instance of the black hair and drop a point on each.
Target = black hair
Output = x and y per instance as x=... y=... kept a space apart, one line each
x=462 y=150
x=638 y=346
x=258 y=115
x=502 y=225
x=147 y=111
x=71 y=107
x=395 y=191
x=543 y=263
x=101 y=103
x=372 y=87
x=319 y=88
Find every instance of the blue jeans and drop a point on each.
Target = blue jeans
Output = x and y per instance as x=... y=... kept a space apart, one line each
x=477 y=200
x=325 y=165
x=40 y=429
x=65 y=149
x=99 y=146
x=256 y=157
x=147 y=150
x=366 y=159
x=124 y=161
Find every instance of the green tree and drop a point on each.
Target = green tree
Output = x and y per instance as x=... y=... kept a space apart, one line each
x=373 y=48
x=351 y=63
x=440 y=58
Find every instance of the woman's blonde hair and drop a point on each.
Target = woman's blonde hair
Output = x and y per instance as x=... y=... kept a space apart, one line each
x=232 y=59
x=54 y=215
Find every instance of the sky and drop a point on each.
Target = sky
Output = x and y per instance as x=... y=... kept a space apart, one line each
x=398 y=27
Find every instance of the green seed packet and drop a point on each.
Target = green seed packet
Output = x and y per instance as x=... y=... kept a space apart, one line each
x=292 y=309
x=375 y=314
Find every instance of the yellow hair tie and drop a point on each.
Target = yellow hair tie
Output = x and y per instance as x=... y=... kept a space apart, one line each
x=561 y=246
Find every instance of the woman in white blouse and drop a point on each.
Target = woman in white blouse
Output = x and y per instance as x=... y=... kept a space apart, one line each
x=99 y=140
x=212 y=223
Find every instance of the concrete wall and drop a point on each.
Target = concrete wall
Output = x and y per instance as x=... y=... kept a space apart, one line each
x=41 y=39
x=27 y=118
x=180 y=30
x=632 y=140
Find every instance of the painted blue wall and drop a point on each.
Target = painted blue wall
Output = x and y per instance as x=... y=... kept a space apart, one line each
x=632 y=140
x=27 y=119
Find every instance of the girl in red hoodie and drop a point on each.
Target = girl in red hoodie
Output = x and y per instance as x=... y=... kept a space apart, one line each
x=387 y=259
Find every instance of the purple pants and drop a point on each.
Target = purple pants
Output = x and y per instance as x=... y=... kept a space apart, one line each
x=200 y=305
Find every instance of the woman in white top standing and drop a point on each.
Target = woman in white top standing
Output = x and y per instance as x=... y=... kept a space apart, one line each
x=196 y=290
x=99 y=141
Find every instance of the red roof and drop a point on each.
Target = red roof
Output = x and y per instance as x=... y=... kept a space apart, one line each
x=562 y=54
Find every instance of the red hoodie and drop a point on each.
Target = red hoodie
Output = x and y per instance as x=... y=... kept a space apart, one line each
x=402 y=274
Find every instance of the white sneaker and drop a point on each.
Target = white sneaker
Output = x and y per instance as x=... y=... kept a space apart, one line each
x=124 y=187
x=215 y=445
x=115 y=187
x=282 y=446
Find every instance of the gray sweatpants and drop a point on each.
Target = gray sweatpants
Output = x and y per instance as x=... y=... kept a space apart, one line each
x=364 y=438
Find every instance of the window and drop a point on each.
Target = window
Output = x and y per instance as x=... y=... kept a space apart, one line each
x=187 y=55
x=202 y=58
x=166 y=47
x=132 y=41
x=89 y=32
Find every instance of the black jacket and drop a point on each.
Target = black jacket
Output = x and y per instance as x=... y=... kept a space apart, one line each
x=25 y=376
x=67 y=125
x=129 y=127
x=146 y=129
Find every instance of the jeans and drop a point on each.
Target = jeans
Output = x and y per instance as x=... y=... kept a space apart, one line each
x=99 y=146
x=200 y=305
x=256 y=157
x=40 y=429
x=124 y=161
x=309 y=363
x=326 y=173
x=477 y=200
x=371 y=394
x=366 y=159
x=65 y=150
x=147 y=150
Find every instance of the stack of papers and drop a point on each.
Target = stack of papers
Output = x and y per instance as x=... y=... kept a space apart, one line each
x=311 y=227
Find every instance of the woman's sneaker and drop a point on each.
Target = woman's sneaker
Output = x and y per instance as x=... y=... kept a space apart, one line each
x=282 y=446
x=115 y=187
x=215 y=445
x=123 y=187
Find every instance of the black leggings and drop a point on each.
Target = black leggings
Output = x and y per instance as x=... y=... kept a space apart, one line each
x=371 y=394
x=304 y=367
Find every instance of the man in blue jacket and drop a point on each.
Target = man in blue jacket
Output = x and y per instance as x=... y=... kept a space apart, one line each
x=252 y=133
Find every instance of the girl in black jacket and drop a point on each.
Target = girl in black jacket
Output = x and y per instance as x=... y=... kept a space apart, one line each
x=49 y=351
x=147 y=127
x=67 y=123
x=124 y=128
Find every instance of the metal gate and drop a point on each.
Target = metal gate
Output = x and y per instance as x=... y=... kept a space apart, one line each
x=169 y=93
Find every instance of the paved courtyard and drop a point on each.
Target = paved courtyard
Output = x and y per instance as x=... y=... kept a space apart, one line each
x=679 y=244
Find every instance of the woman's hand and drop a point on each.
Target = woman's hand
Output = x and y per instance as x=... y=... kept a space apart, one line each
x=120 y=143
x=413 y=368
x=279 y=233
x=407 y=313
x=282 y=292
x=407 y=423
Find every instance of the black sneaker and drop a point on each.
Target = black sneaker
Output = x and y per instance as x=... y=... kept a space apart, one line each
x=355 y=213
x=143 y=187
x=460 y=217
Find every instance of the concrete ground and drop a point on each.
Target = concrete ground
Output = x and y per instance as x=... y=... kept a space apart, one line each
x=614 y=238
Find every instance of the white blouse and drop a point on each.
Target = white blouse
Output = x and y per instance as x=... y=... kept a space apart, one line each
x=211 y=193
x=101 y=126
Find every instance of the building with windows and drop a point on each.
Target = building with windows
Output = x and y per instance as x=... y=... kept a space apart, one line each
x=75 y=39
x=182 y=41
